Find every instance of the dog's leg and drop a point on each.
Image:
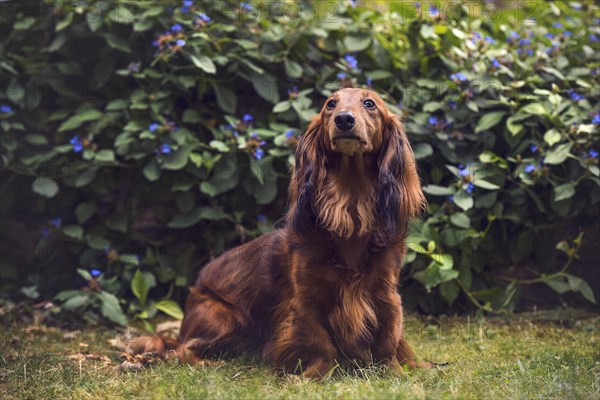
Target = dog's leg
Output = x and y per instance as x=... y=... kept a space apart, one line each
x=304 y=346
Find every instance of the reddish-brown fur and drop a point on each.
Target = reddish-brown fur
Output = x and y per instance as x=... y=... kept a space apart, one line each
x=324 y=288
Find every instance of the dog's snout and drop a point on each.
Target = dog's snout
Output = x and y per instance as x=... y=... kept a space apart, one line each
x=344 y=121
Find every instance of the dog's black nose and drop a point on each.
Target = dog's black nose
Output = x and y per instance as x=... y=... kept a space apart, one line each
x=344 y=121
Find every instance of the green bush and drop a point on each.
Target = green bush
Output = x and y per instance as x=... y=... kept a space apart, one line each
x=141 y=139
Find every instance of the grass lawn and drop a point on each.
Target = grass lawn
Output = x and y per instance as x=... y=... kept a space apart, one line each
x=551 y=354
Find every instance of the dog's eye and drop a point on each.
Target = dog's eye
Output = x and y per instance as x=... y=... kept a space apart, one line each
x=370 y=104
x=331 y=104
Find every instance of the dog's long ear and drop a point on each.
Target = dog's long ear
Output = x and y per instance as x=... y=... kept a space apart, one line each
x=309 y=173
x=399 y=187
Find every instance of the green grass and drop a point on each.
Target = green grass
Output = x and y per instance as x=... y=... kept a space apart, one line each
x=552 y=355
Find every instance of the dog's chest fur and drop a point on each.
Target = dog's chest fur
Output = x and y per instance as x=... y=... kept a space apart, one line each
x=353 y=318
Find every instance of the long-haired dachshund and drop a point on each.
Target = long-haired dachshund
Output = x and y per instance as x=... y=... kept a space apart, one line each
x=323 y=289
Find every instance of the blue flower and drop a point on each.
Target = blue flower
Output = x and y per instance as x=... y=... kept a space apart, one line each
x=433 y=120
x=289 y=134
x=5 y=109
x=557 y=25
x=477 y=35
x=186 y=6
x=524 y=42
x=496 y=63
x=369 y=81
x=246 y=6
x=164 y=148
x=549 y=35
x=459 y=76
x=176 y=28
x=470 y=188
x=352 y=61
x=433 y=11
x=593 y=153
x=153 y=126
x=180 y=42
x=463 y=171
x=77 y=144
x=452 y=104
x=575 y=96
x=513 y=35
x=489 y=40
x=596 y=119
x=247 y=119
x=203 y=17
x=341 y=75
x=533 y=148
x=568 y=33
x=261 y=218
x=594 y=38
x=56 y=222
x=259 y=153
x=450 y=199
x=529 y=168
x=95 y=272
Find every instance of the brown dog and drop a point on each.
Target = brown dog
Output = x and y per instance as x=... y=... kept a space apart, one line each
x=323 y=289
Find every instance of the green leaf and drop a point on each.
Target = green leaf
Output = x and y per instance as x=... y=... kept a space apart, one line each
x=422 y=150
x=36 y=139
x=171 y=308
x=105 y=155
x=190 y=219
x=512 y=126
x=152 y=171
x=45 y=187
x=577 y=284
x=489 y=120
x=461 y=220
x=357 y=42
x=176 y=160
x=139 y=287
x=130 y=259
x=485 y=184
x=281 y=107
x=84 y=274
x=204 y=63
x=76 y=120
x=463 y=200
x=552 y=136
x=434 y=275
x=76 y=302
x=564 y=191
x=292 y=68
x=558 y=154
x=534 y=109
x=23 y=24
x=449 y=291
x=222 y=147
x=226 y=98
x=436 y=190
x=73 y=231
x=117 y=42
x=117 y=222
x=111 y=309
x=84 y=211
x=85 y=177
x=208 y=189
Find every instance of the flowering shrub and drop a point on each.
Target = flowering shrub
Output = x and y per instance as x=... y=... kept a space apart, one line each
x=139 y=140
